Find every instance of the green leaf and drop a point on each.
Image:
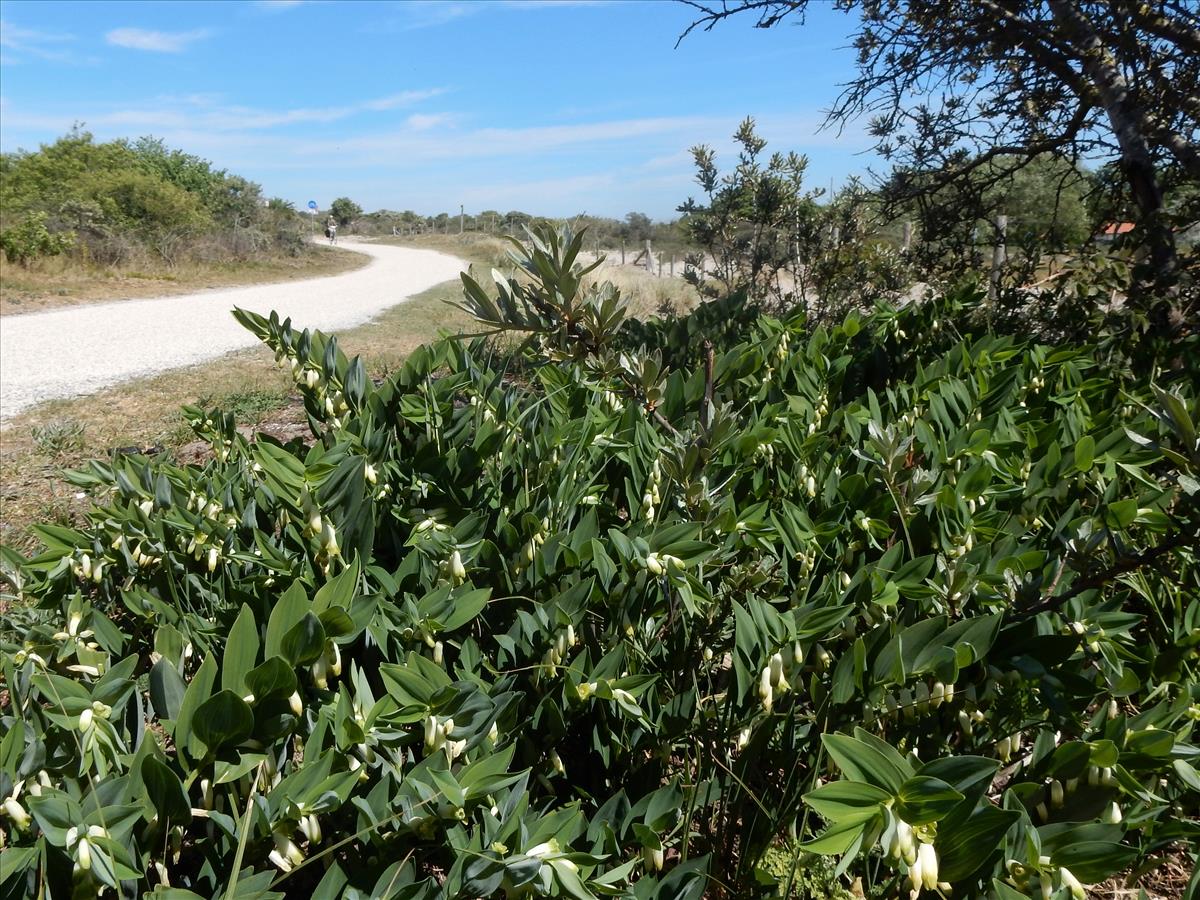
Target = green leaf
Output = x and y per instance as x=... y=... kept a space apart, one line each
x=223 y=719
x=1187 y=774
x=336 y=622
x=167 y=690
x=964 y=849
x=165 y=791
x=923 y=799
x=835 y=839
x=467 y=606
x=198 y=691
x=338 y=591
x=55 y=813
x=847 y=801
x=274 y=678
x=863 y=762
x=1085 y=451
x=241 y=650
x=1006 y=892
x=289 y=610
x=1121 y=514
x=304 y=642
x=1094 y=861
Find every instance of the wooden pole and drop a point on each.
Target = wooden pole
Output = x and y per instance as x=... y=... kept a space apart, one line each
x=999 y=256
x=649 y=258
x=672 y=265
x=907 y=237
x=622 y=253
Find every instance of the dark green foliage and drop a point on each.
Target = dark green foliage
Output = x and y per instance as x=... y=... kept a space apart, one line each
x=344 y=211
x=592 y=633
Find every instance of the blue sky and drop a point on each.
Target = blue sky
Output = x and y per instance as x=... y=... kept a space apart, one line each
x=550 y=106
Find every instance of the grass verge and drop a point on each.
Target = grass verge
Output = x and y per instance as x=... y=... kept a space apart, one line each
x=58 y=282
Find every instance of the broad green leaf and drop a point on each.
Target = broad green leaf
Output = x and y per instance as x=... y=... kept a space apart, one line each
x=862 y=762
x=167 y=690
x=274 y=678
x=304 y=642
x=241 y=651
x=964 y=849
x=165 y=791
x=1085 y=451
x=847 y=801
x=198 y=691
x=289 y=609
x=835 y=839
x=1094 y=861
x=224 y=718
x=923 y=799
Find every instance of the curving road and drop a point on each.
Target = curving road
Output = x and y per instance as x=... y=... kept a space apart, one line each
x=67 y=352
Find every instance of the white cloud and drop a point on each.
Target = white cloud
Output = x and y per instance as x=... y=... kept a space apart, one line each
x=207 y=112
x=404 y=98
x=430 y=13
x=547 y=4
x=27 y=42
x=426 y=121
x=155 y=41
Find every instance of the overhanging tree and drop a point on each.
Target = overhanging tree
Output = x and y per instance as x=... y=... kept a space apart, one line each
x=952 y=87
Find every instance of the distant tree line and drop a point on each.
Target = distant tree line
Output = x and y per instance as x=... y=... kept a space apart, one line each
x=608 y=233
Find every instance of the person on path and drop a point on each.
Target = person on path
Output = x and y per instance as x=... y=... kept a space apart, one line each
x=331 y=230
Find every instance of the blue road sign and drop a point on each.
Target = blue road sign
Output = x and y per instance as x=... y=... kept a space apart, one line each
x=312 y=204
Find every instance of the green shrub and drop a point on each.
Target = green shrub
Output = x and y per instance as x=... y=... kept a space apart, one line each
x=30 y=240
x=624 y=623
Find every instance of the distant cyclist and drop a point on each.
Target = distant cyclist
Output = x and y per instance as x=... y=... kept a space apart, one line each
x=331 y=230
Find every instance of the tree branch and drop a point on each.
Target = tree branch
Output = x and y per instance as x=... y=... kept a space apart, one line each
x=1050 y=602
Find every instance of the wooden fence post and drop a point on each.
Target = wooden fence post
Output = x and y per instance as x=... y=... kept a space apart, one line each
x=672 y=265
x=622 y=253
x=907 y=243
x=999 y=256
x=649 y=258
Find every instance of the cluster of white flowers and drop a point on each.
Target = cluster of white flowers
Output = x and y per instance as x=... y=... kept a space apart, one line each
x=773 y=680
x=652 y=496
x=662 y=563
x=1050 y=878
x=328 y=663
x=437 y=737
x=79 y=844
x=564 y=640
x=914 y=847
x=529 y=551
x=810 y=481
x=286 y=855
x=488 y=415
x=454 y=569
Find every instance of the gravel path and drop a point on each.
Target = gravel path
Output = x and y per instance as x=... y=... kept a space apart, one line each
x=64 y=353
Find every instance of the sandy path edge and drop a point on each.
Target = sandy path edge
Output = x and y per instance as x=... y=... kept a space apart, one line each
x=79 y=350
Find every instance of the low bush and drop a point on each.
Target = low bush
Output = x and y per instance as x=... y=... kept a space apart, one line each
x=626 y=620
x=30 y=239
x=123 y=202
